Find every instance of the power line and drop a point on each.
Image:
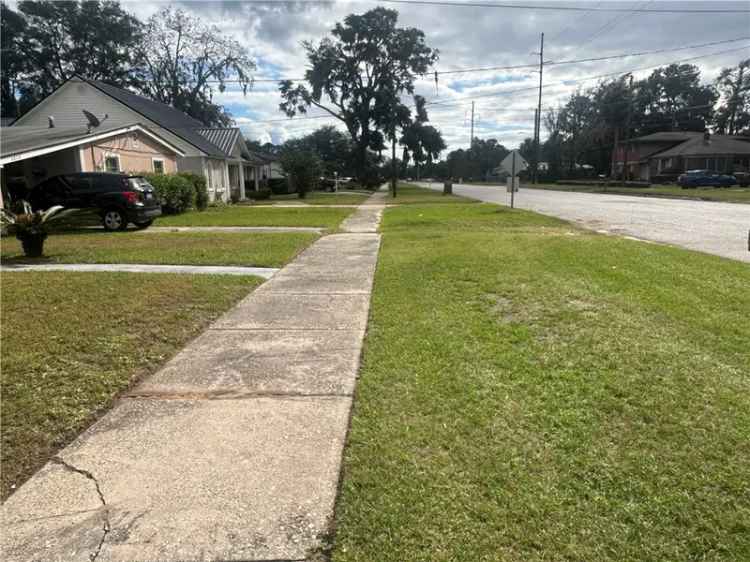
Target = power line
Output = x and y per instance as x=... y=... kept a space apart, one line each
x=612 y=23
x=570 y=8
x=643 y=53
x=550 y=63
x=569 y=27
x=577 y=80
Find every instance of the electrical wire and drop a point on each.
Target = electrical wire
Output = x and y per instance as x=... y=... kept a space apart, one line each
x=546 y=63
x=587 y=78
x=569 y=8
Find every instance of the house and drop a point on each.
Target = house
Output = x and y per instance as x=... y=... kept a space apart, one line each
x=668 y=154
x=270 y=167
x=219 y=154
x=29 y=154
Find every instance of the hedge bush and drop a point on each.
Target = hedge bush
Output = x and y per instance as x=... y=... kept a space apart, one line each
x=260 y=194
x=201 y=190
x=279 y=186
x=175 y=193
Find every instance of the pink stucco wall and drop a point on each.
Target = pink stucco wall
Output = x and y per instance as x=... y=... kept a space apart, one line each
x=136 y=152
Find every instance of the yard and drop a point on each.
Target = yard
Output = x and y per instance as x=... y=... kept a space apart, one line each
x=531 y=391
x=257 y=249
x=73 y=341
x=259 y=215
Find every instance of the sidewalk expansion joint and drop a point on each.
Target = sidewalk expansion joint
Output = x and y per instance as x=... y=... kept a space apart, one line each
x=85 y=473
x=229 y=395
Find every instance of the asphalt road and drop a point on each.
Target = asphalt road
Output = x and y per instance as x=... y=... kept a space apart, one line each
x=705 y=226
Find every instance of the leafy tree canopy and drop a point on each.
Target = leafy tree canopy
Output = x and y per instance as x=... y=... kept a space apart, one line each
x=52 y=41
x=358 y=75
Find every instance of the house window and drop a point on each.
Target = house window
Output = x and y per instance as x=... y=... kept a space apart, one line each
x=158 y=165
x=112 y=163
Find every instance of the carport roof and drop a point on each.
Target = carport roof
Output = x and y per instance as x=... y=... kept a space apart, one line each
x=19 y=142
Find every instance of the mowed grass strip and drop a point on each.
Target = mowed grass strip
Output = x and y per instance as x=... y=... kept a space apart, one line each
x=727 y=195
x=317 y=198
x=183 y=248
x=72 y=341
x=258 y=215
x=530 y=391
x=410 y=194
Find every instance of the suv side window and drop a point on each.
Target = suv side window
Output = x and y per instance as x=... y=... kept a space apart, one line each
x=108 y=182
x=78 y=183
x=54 y=187
x=51 y=191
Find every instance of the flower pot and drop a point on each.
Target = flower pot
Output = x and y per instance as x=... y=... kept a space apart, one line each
x=33 y=244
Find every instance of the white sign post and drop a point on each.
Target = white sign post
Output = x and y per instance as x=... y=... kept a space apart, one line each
x=513 y=164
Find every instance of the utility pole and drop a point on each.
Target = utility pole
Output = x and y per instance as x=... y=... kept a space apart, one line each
x=626 y=170
x=471 y=139
x=537 y=132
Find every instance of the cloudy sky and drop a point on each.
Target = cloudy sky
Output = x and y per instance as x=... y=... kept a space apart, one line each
x=473 y=37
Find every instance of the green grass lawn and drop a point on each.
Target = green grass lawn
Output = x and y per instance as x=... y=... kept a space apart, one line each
x=534 y=392
x=728 y=195
x=73 y=341
x=318 y=198
x=183 y=248
x=258 y=215
x=410 y=194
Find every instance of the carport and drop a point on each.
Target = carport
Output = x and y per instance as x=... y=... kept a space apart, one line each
x=29 y=155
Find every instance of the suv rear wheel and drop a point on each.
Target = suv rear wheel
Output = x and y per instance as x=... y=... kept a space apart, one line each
x=114 y=219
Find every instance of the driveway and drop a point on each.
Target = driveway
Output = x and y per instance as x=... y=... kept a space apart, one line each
x=705 y=226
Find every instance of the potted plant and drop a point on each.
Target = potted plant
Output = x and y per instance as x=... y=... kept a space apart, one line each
x=30 y=227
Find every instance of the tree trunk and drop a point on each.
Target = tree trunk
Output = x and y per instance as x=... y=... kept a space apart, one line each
x=393 y=165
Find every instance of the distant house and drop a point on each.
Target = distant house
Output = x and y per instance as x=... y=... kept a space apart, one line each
x=219 y=154
x=30 y=154
x=662 y=155
x=270 y=168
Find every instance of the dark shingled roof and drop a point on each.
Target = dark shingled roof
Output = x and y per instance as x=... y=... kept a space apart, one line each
x=718 y=145
x=668 y=136
x=224 y=138
x=15 y=140
x=21 y=139
x=171 y=119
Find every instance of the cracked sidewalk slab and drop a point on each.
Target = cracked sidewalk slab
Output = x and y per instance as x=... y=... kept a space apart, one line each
x=187 y=480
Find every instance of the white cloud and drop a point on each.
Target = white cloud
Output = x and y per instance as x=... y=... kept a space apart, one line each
x=467 y=38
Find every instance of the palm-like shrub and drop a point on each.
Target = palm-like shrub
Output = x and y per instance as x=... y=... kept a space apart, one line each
x=32 y=227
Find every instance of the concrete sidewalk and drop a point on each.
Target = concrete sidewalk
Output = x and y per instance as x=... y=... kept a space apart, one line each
x=232 y=451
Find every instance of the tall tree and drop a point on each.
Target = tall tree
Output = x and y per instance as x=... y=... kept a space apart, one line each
x=358 y=75
x=733 y=85
x=12 y=28
x=95 y=39
x=333 y=148
x=672 y=98
x=184 y=61
x=422 y=143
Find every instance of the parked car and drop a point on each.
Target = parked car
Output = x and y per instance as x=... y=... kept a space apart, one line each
x=743 y=178
x=710 y=178
x=118 y=199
